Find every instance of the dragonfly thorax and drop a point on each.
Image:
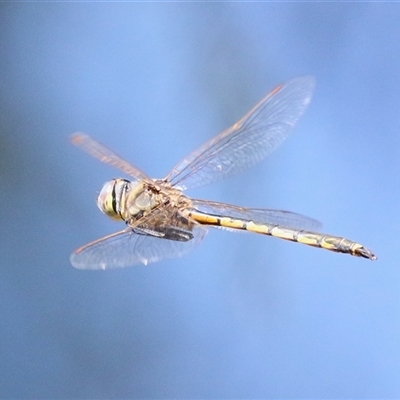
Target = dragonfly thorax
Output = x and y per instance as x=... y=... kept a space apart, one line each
x=121 y=199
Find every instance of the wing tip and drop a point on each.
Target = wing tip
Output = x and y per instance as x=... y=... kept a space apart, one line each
x=77 y=138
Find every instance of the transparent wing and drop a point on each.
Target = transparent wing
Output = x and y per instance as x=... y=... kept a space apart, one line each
x=257 y=215
x=127 y=248
x=163 y=234
x=102 y=153
x=248 y=141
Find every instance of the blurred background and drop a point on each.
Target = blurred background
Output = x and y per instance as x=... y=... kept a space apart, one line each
x=244 y=315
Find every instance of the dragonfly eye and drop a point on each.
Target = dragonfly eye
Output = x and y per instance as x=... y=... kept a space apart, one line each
x=109 y=198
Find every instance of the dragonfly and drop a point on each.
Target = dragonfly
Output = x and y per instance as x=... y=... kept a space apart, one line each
x=161 y=222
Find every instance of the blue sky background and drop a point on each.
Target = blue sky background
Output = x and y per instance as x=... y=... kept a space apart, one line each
x=244 y=315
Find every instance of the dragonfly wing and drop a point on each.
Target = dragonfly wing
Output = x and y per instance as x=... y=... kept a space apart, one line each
x=162 y=235
x=102 y=153
x=257 y=215
x=128 y=248
x=248 y=141
x=152 y=249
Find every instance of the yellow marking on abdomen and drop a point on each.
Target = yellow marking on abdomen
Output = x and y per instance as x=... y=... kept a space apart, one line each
x=213 y=220
x=321 y=240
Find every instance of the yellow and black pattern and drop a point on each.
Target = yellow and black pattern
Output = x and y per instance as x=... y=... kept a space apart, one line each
x=321 y=240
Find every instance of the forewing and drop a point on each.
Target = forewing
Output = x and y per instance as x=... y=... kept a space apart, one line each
x=127 y=248
x=248 y=141
x=102 y=153
x=257 y=215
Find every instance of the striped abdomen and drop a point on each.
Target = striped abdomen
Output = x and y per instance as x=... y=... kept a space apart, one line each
x=324 y=241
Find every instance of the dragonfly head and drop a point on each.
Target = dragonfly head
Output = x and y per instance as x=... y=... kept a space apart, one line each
x=110 y=198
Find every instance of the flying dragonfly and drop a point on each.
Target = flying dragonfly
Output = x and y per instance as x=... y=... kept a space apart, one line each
x=162 y=222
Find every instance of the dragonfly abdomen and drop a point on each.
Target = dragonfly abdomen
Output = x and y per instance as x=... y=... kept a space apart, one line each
x=321 y=240
x=332 y=243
